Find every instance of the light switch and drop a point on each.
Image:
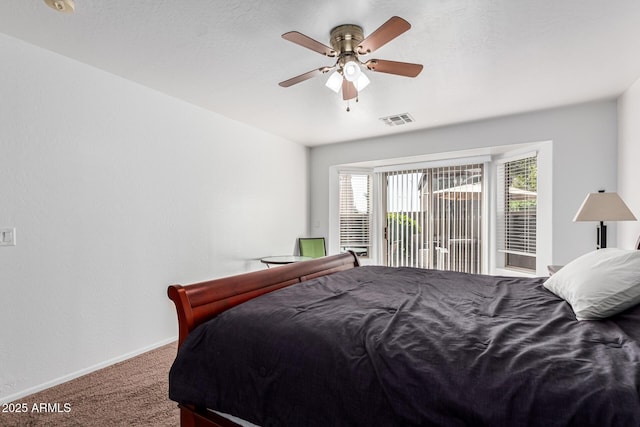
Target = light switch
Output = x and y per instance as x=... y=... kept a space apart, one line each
x=7 y=236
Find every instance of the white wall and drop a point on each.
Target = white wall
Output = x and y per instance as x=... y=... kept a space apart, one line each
x=584 y=160
x=118 y=191
x=629 y=162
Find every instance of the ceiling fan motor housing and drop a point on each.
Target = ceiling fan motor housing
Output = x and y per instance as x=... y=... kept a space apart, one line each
x=345 y=39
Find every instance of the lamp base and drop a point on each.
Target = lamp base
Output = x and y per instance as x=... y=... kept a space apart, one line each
x=601 y=237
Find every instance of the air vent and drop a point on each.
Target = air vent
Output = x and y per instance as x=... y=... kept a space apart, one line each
x=398 y=119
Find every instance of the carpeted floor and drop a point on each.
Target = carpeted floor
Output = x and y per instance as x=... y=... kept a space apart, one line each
x=130 y=393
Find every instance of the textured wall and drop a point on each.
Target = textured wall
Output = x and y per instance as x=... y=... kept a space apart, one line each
x=628 y=160
x=118 y=191
x=583 y=160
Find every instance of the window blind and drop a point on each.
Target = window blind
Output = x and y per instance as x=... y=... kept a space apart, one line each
x=405 y=223
x=517 y=208
x=355 y=212
x=434 y=217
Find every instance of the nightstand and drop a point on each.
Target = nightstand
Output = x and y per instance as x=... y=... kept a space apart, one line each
x=553 y=269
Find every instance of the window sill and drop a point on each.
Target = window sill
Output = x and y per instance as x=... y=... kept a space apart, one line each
x=515 y=273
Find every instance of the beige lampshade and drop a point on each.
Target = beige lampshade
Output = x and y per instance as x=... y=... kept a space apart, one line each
x=604 y=207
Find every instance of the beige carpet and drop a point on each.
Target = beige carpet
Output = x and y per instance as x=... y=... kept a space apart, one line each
x=130 y=393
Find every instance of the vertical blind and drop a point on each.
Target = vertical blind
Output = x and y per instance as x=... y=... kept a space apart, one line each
x=355 y=212
x=434 y=218
x=405 y=225
x=517 y=207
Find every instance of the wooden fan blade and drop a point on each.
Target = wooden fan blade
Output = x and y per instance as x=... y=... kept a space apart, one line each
x=383 y=35
x=309 y=43
x=349 y=90
x=392 y=67
x=306 y=76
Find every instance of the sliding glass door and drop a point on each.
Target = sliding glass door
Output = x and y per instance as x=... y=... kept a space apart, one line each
x=434 y=218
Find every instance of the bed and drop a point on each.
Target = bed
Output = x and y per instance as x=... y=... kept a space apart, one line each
x=329 y=342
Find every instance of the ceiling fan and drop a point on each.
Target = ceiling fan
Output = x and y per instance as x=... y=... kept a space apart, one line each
x=348 y=44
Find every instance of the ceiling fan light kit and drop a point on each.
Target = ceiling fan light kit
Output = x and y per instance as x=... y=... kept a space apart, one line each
x=348 y=44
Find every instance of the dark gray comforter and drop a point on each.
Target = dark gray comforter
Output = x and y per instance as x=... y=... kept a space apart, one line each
x=379 y=346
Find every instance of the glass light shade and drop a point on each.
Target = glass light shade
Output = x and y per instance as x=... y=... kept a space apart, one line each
x=351 y=71
x=362 y=82
x=334 y=82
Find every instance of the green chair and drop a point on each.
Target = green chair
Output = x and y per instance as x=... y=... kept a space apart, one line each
x=313 y=247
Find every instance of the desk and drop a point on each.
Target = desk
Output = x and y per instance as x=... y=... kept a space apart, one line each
x=283 y=259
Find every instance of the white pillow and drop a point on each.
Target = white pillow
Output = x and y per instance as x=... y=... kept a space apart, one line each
x=599 y=284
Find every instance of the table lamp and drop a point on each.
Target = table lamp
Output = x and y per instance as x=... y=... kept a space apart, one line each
x=602 y=207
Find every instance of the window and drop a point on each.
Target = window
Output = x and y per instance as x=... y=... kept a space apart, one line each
x=517 y=212
x=355 y=212
x=434 y=217
x=448 y=211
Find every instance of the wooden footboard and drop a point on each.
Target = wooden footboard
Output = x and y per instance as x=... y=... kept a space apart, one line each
x=199 y=302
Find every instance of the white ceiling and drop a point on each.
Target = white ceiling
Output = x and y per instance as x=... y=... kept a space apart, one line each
x=482 y=58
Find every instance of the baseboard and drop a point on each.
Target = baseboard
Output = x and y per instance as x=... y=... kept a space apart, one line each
x=85 y=371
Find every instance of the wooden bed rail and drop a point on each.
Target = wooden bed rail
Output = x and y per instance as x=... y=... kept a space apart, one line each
x=199 y=302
